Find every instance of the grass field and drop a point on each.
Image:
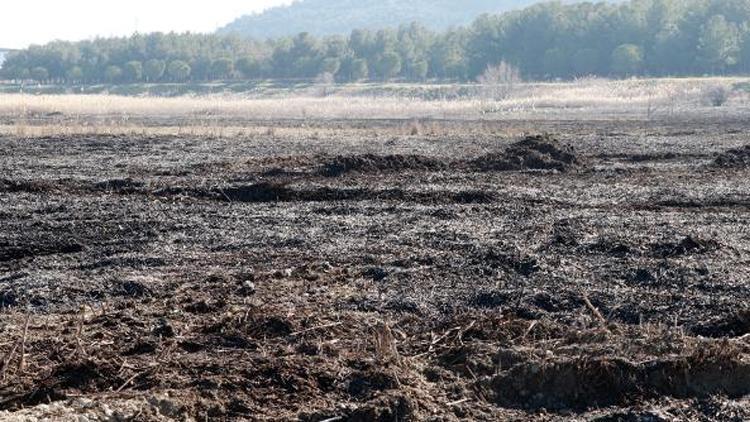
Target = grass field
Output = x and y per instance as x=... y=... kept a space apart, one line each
x=589 y=98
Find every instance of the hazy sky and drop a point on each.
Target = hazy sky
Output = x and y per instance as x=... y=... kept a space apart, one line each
x=38 y=21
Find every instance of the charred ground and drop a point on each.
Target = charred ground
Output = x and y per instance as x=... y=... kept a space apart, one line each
x=600 y=272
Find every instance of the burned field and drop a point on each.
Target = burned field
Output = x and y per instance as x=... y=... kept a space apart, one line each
x=597 y=273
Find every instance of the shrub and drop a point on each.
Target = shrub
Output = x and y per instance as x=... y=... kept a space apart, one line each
x=717 y=95
x=497 y=82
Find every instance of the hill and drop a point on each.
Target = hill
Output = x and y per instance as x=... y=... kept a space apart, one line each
x=327 y=17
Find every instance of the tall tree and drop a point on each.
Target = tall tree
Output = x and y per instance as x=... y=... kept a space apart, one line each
x=39 y=74
x=388 y=65
x=719 y=44
x=113 y=74
x=133 y=71
x=627 y=60
x=178 y=70
x=222 y=68
x=154 y=69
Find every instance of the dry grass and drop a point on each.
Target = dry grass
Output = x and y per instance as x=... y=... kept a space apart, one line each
x=590 y=98
x=226 y=106
x=633 y=96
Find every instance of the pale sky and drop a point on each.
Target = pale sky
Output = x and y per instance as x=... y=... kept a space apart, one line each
x=39 y=21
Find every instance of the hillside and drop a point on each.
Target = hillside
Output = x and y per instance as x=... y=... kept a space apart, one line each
x=326 y=17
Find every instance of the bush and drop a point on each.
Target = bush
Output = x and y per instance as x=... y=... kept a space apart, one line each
x=497 y=82
x=717 y=95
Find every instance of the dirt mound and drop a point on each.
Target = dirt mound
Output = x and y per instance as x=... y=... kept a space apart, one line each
x=269 y=192
x=510 y=260
x=260 y=192
x=734 y=325
x=73 y=377
x=541 y=152
x=581 y=384
x=26 y=186
x=687 y=246
x=734 y=158
x=370 y=163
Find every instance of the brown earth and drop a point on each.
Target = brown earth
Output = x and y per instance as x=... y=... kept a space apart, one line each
x=597 y=273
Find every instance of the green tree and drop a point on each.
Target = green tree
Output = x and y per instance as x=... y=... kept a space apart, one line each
x=304 y=55
x=113 y=74
x=330 y=65
x=39 y=74
x=154 y=69
x=555 y=39
x=448 y=56
x=388 y=65
x=362 y=43
x=556 y=62
x=133 y=71
x=282 y=58
x=745 y=49
x=418 y=69
x=249 y=67
x=15 y=73
x=673 y=52
x=74 y=74
x=719 y=44
x=586 y=62
x=201 y=68
x=178 y=70
x=359 y=70
x=627 y=60
x=222 y=68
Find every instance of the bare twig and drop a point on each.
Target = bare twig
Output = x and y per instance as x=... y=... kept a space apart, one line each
x=457 y=402
x=22 y=361
x=8 y=360
x=321 y=327
x=128 y=381
x=460 y=331
x=530 y=329
x=79 y=333
x=594 y=310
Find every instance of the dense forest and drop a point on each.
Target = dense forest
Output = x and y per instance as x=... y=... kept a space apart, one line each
x=544 y=41
x=336 y=17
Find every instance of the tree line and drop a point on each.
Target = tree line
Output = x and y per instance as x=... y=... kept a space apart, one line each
x=544 y=41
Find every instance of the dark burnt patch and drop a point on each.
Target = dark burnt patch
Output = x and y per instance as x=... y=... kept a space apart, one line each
x=370 y=163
